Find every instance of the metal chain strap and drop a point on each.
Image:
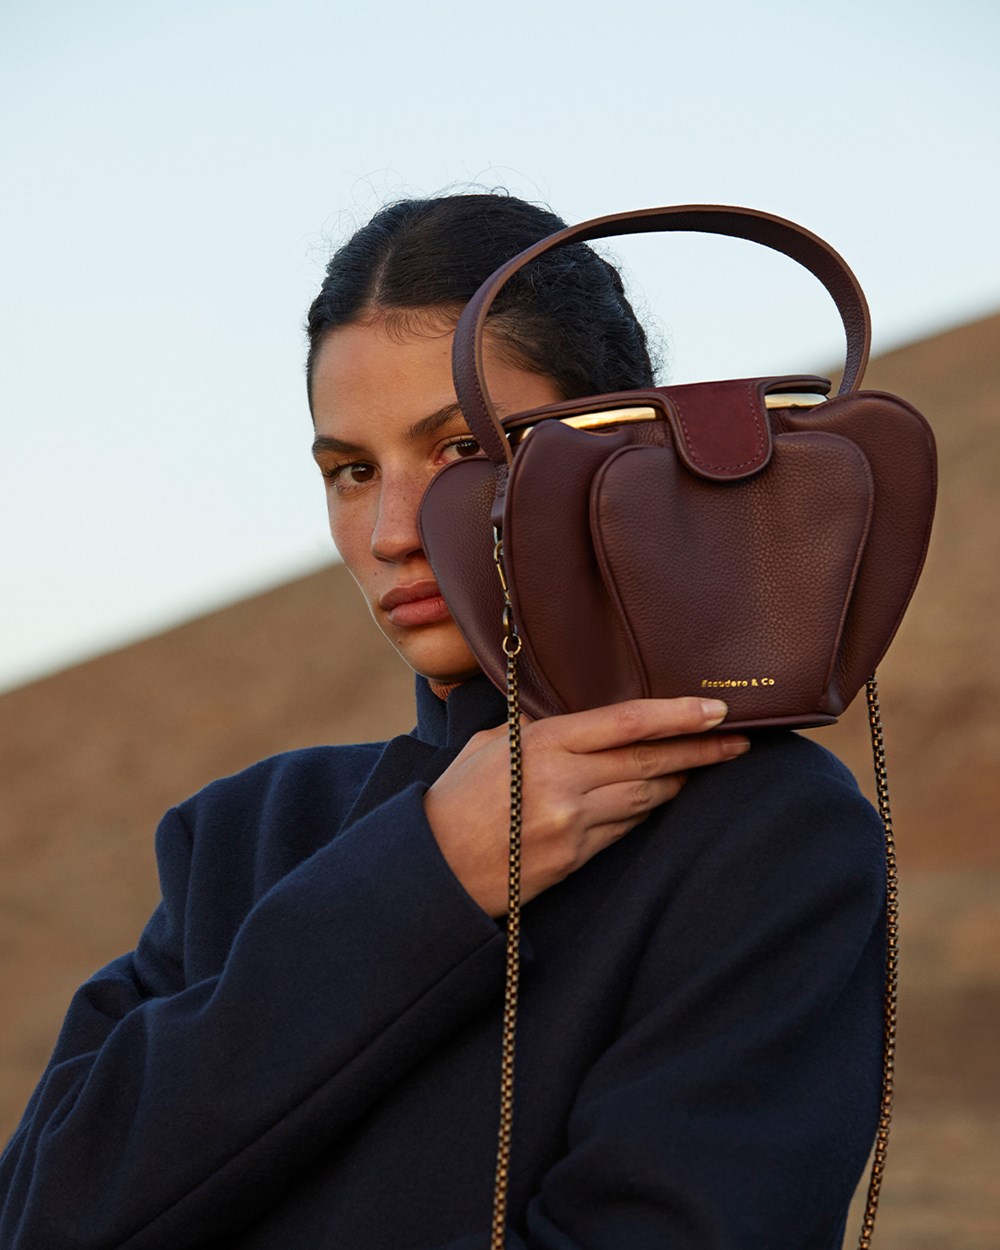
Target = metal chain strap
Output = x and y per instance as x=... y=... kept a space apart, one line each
x=512 y=648
x=891 y=966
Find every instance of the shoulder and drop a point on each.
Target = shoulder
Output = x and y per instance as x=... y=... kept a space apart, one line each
x=291 y=780
x=783 y=776
x=769 y=875
x=784 y=753
x=249 y=829
x=787 y=817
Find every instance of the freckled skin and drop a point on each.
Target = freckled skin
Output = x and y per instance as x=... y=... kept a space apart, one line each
x=369 y=389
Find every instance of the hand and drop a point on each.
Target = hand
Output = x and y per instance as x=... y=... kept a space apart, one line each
x=589 y=777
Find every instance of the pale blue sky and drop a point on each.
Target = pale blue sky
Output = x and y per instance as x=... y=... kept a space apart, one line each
x=175 y=173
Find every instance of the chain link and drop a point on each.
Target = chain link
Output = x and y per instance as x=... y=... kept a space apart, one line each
x=501 y=1185
x=891 y=967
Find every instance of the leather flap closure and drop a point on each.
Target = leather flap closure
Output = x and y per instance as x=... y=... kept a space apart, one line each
x=721 y=428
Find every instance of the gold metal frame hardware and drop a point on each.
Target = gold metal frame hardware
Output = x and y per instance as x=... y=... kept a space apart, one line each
x=626 y=416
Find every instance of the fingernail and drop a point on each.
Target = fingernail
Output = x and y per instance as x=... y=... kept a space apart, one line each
x=714 y=710
x=735 y=746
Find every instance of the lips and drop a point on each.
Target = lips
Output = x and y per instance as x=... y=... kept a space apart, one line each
x=418 y=603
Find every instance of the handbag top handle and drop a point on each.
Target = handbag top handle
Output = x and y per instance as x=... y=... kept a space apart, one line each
x=742 y=223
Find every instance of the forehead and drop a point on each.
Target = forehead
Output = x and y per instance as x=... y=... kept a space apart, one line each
x=370 y=383
x=366 y=370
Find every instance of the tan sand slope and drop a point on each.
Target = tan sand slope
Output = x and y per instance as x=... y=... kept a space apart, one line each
x=92 y=756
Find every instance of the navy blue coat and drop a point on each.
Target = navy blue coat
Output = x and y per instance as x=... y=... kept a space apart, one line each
x=303 y=1049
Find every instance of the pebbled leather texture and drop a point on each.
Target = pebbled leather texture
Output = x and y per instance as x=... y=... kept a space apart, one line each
x=761 y=556
x=730 y=553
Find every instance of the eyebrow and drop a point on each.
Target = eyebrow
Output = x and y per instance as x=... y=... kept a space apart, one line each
x=419 y=429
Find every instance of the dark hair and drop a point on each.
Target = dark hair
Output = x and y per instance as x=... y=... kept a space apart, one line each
x=565 y=315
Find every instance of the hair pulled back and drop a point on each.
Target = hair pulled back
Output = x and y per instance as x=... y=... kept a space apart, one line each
x=565 y=315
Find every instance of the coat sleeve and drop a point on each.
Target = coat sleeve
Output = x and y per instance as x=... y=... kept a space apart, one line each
x=737 y=1103
x=170 y=1105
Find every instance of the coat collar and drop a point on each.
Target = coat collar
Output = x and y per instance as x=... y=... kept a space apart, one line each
x=474 y=705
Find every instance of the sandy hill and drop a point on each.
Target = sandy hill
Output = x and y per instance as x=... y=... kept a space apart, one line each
x=93 y=755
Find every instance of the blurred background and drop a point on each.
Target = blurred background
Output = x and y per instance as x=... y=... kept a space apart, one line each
x=175 y=178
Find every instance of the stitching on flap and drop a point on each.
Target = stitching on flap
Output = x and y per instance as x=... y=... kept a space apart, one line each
x=758 y=427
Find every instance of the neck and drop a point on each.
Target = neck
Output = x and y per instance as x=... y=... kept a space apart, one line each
x=443 y=688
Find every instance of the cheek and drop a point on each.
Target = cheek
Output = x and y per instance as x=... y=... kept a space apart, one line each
x=351 y=531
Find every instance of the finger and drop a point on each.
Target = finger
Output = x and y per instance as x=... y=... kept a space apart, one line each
x=615 y=809
x=485 y=738
x=658 y=757
x=636 y=720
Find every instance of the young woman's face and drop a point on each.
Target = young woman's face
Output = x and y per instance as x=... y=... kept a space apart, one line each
x=386 y=420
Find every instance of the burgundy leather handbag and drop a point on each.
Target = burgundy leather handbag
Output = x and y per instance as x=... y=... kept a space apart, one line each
x=754 y=540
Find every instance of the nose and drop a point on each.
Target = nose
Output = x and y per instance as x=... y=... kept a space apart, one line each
x=395 y=536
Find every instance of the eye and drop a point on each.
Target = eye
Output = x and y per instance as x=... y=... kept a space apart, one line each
x=460 y=448
x=346 y=477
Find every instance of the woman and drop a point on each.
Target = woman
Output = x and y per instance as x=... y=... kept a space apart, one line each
x=302 y=1051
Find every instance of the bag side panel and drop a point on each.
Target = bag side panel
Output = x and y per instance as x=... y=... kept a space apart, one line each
x=899 y=447
x=569 y=627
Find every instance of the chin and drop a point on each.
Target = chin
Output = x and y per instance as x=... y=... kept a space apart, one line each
x=439 y=653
